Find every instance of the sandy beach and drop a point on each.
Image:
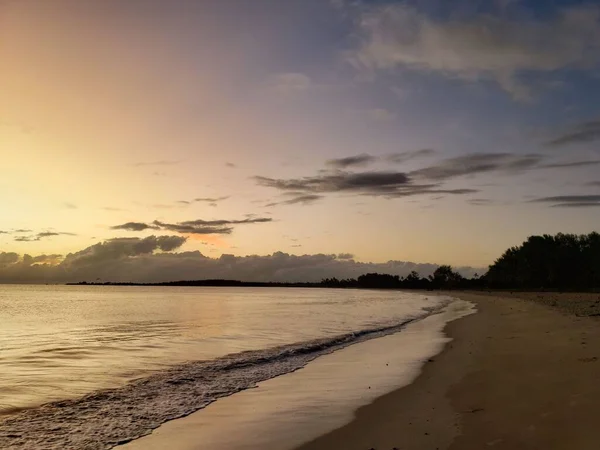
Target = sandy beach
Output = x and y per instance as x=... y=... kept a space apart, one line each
x=519 y=374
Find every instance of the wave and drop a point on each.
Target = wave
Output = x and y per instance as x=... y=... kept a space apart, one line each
x=107 y=418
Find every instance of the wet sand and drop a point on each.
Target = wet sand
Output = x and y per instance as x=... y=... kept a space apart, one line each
x=519 y=375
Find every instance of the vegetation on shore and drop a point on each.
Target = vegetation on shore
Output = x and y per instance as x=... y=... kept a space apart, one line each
x=560 y=262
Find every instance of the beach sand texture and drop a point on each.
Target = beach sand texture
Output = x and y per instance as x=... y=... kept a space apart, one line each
x=519 y=375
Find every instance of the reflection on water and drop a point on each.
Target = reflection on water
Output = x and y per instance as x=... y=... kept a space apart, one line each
x=65 y=341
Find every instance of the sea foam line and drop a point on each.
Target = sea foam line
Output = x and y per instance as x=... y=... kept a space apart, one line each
x=107 y=418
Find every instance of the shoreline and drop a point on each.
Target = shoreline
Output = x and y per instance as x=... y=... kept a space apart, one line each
x=517 y=375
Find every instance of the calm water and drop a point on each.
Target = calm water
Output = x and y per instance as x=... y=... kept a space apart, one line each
x=59 y=342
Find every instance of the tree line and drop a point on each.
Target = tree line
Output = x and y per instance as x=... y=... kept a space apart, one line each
x=559 y=262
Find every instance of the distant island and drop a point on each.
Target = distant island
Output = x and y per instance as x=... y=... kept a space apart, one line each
x=566 y=262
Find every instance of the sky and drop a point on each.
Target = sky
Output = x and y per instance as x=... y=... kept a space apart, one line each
x=144 y=139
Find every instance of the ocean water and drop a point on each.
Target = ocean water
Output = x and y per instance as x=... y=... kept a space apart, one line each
x=91 y=367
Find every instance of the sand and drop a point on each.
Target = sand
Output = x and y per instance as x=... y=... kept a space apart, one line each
x=519 y=374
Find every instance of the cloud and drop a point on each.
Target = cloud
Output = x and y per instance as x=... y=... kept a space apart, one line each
x=45 y=259
x=352 y=161
x=580 y=133
x=568 y=198
x=577 y=205
x=134 y=226
x=163 y=162
x=211 y=199
x=152 y=259
x=385 y=184
x=192 y=226
x=593 y=183
x=480 y=47
x=8 y=258
x=231 y=165
x=289 y=83
x=41 y=235
x=480 y=202
x=365 y=159
x=305 y=199
x=402 y=157
x=570 y=201
x=69 y=205
x=22 y=230
x=3 y=232
x=570 y=164
x=478 y=163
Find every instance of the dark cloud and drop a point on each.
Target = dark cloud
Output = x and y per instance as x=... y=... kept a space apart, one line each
x=44 y=234
x=228 y=222
x=228 y=164
x=192 y=226
x=141 y=260
x=407 y=156
x=3 y=232
x=580 y=133
x=577 y=205
x=345 y=256
x=569 y=164
x=593 y=183
x=427 y=180
x=114 y=250
x=41 y=235
x=475 y=163
x=568 y=199
x=22 y=230
x=364 y=158
x=8 y=258
x=480 y=202
x=69 y=205
x=359 y=182
x=300 y=199
x=157 y=163
x=352 y=161
x=211 y=199
x=385 y=184
x=134 y=226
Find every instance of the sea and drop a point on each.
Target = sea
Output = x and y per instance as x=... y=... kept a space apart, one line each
x=95 y=367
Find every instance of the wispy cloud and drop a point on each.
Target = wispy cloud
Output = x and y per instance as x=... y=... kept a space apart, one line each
x=134 y=226
x=570 y=201
x=201 y=227
x=39 y=236
x=365 y=159
x=352 y=161
x=69 y=205
x=305 y=199
x=483 y=46
x=385 y=184
x=579 y=133
x=402 y=157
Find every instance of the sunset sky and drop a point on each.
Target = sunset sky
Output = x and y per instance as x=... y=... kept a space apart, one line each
x=427 y=131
